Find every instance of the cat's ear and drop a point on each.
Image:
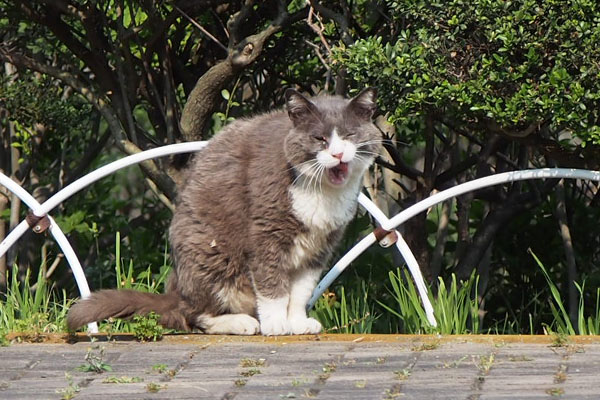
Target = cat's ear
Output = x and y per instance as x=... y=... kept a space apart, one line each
x=299 y=108
x=364 y=104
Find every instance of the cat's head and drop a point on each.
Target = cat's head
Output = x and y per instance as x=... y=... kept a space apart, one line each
x=333 y=140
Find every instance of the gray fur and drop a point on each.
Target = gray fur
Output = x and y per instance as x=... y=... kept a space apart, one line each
x=234 y=227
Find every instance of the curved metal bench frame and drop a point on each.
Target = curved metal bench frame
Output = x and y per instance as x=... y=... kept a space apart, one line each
x=388 y=224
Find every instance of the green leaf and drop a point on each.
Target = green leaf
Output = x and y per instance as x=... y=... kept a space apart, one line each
x=225 y=94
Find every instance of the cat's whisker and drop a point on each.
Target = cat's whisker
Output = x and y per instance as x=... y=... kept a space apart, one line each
x=366 y=156
x=310 y=174
x=298 y=166
x=371 y=153
x=381 y=140
x=300 y=175
x=307 y=172
x=314 y=176
x=360 y=157
x=363 y=159
x=319 y=178
x=321 y=173
x=370 y=142
x=317 y=181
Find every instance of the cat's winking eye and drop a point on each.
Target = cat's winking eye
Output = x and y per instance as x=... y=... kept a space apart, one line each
x=320 y=138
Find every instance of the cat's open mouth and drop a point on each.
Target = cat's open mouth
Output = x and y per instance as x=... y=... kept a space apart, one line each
x=338 y=174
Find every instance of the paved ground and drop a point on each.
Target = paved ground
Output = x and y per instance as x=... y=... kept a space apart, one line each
x=319 y=367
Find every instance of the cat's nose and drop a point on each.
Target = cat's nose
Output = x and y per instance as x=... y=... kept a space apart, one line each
x=338 y=156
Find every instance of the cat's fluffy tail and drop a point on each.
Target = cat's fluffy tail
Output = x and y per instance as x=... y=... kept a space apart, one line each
x=125 y=304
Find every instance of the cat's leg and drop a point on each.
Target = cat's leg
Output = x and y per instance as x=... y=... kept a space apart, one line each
x=229 y=324
x=271 y=284
x=302 y=286
x=273 y=315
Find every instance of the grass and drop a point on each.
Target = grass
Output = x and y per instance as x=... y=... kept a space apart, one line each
x=35 y=307
x=252 y=362
x=402 y=374
x=250 y=372
x=153 y=387
x=426 y=346
x=123 y=379
x=144 y=328
x=456 y=307
x=31 y=304
x=346 y=314
x=94 y=361
x=591 y=324
x=71 y=390
x=485 y=363
x=561 y=323
x=160 y=368
x=36 y=311
x=240 y=382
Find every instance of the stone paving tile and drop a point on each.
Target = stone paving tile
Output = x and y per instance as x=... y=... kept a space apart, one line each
x=353 y=368
x=289 y=370
x=450 y=371
x=367 y=371
x=525 y=369
x=583 y=374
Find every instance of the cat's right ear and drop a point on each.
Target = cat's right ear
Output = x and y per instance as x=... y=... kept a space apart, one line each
x=299 y=108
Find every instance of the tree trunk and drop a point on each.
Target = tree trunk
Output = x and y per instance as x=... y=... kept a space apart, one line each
x=437 y=255
x=565 y=234
x=3 y=204
x=15 y=201
x=491 y=225
x=203 y=99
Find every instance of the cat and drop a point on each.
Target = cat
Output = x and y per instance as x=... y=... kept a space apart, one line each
x=259 y=214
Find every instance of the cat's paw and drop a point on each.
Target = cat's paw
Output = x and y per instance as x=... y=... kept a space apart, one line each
x=229 y=324
x=303 y=326
x=274 y=326
x=247 y=326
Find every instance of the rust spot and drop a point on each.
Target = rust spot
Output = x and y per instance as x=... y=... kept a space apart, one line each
x=37 y=224
x=385 y=238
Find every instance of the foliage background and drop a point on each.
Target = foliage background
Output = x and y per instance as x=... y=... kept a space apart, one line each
x=468 y=88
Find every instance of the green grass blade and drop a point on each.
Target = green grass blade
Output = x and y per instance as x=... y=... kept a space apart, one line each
x=561 y=318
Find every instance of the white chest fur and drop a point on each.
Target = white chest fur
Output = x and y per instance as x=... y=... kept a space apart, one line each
x=322 y=212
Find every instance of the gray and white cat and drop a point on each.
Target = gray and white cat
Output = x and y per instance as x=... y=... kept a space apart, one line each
x=261 y=210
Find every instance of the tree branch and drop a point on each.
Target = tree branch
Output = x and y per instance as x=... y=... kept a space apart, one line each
x=204 y=97
x=560 y=212
x=52 y=20
x=516 y=204
x=340 y=19
x=399 y=165
x=162 y=180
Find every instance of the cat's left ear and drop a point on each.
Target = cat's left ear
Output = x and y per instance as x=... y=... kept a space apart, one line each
x=299 y=108
x=364 y=104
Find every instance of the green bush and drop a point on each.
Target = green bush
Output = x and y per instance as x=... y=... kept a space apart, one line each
x=486 y=64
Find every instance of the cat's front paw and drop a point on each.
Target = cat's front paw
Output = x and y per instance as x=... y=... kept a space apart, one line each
x=304 y=326
x=247 y=326
x=274 y=326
